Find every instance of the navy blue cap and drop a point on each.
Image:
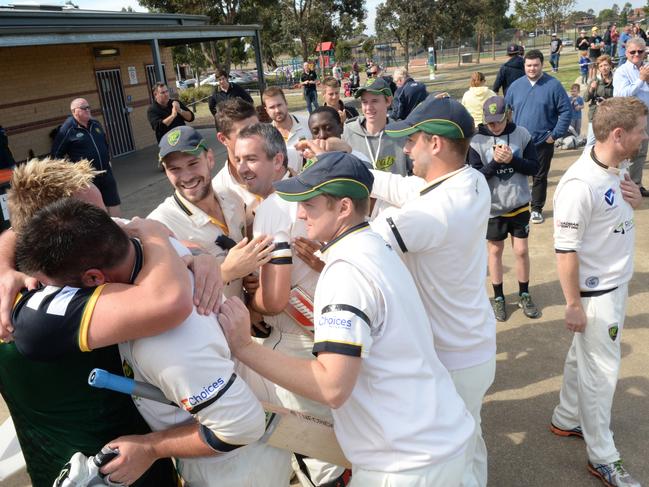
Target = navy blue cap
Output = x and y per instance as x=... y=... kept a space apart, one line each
x=182 y=139
x=494 y=109
x=437 y=116
x=335 y=173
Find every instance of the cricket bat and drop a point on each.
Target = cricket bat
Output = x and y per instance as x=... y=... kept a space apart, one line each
x=300 y=308
x=286 y=429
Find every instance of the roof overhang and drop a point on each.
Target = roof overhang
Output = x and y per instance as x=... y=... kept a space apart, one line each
x=166 y=35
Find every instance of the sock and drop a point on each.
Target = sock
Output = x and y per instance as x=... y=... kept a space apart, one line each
x=523 y=287
x=498 y=290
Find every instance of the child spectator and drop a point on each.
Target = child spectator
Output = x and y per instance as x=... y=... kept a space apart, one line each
x=577 y=104
x=505 y=154
x=584 y=63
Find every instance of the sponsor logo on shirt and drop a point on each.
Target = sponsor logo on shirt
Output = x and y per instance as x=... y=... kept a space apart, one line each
x=79 y=135
x=609 y=196
x=335 y=322
x=624 y=226
x=592 y=281
x=613 y=331
x=206 y=393
x=567 y=225
x=385 y=163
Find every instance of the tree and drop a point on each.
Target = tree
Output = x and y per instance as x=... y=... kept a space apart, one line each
x=401 y=20
x=549 y=13
x=343 y=51
x=191 y=55
x=368 y=47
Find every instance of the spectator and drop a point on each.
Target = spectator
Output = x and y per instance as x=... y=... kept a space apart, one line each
x=599 y=90
x=639 y=32
x=607 y=40
x=337 y=72
x=541 y=105
x=408 y=95
x=632 y=79
x=309 y=80
x=582 y=43
x=596 y=44
x=621 y=44
x=556 y=45
x=511 y=70
x=505 y=155
x=577 y=105
x=331 y=97
x=478 y=93
x=615 y=37
x=584 y=66
x=226 y=90
x=82 y=137
x=164 y=113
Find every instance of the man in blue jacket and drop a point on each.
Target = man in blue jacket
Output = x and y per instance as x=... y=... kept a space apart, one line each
x=542 y=106
x=409 y=94
x=83 y=137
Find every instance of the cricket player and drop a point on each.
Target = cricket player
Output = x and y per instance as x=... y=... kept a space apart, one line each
x=261 y=155
x=372 y=338
x=214 y=430
x=438 y=230
x=594 y=236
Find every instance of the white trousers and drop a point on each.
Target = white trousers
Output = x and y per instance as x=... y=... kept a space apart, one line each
x=472 y=384
x=255 y=465
x=590 y=375
x=447 y=474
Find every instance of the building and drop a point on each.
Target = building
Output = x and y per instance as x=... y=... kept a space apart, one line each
x=51 y=55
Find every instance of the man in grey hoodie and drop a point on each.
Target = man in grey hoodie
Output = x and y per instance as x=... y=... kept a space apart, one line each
x=366 y=133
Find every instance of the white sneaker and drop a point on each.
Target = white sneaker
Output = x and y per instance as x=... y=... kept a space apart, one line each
x=537 y=217
x=613 y=474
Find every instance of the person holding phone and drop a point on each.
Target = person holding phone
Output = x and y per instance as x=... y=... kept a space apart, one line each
x=599 y=90
x=505 y=154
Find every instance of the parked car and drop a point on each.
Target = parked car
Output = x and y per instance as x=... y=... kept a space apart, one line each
x=183 y=84
x=211 y=80
x=531 y=34
x=567 y=42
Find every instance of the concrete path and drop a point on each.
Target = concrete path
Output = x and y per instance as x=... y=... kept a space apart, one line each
x=517 y=409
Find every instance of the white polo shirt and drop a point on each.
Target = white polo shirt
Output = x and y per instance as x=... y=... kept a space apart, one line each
x=299 y=131
x=592 y=219
x=404 y=412
x=190 y=223
x=439 y=233
x=278 y=218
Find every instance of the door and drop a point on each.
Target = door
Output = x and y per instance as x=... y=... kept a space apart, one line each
x=116 y=113
x=151 y=78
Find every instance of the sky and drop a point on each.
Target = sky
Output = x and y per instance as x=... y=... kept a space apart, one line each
x=370 y=6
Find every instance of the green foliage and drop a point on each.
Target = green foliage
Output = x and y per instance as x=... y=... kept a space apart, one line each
x=547 y=13
x=343 y=51
x=191 y=95
x=368 y=47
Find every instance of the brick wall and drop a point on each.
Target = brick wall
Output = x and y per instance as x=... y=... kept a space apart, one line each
x=38 y=83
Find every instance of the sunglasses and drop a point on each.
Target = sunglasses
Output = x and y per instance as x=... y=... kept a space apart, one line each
x=85 y=107
x=636 y=53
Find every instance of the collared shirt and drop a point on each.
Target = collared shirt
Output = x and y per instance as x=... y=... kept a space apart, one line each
x=225 y=180
x=190 y=223
x=627 y=82
x=299 y=131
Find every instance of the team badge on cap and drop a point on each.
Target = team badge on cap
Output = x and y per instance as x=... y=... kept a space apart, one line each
x=173 y=137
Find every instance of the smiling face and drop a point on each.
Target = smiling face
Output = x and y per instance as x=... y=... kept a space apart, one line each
x=375 y=107
x=255 y=168
x=533 y=69
x=190 y=175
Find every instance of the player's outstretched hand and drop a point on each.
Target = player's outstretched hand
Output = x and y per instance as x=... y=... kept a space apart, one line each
x=11 y=282
x=136 y=455
x=305 y=249
x=208 y=284
x=235 y=322
x=630 y=191
x=575 y=319
x=246 y=257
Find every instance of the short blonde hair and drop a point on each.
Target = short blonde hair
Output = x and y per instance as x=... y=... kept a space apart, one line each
x=617 y=112
x=40 y=182
x=400 y=73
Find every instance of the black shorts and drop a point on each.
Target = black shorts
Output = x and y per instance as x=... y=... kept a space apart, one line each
x=108 y=188
x=501 y=226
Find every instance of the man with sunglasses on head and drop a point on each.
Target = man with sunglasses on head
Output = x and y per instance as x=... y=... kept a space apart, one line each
x=83 y=137
x=632 y=79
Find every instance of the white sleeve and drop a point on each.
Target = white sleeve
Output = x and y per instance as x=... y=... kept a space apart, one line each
x=192 y=367
x=573 y=207
x=349 y=312
x=394 y=188
x=410 y=229
x=271 y=219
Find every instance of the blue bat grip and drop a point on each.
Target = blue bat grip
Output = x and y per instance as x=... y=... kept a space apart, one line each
x=103 y=379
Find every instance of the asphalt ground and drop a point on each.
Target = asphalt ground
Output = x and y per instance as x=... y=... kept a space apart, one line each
x=531 y=353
